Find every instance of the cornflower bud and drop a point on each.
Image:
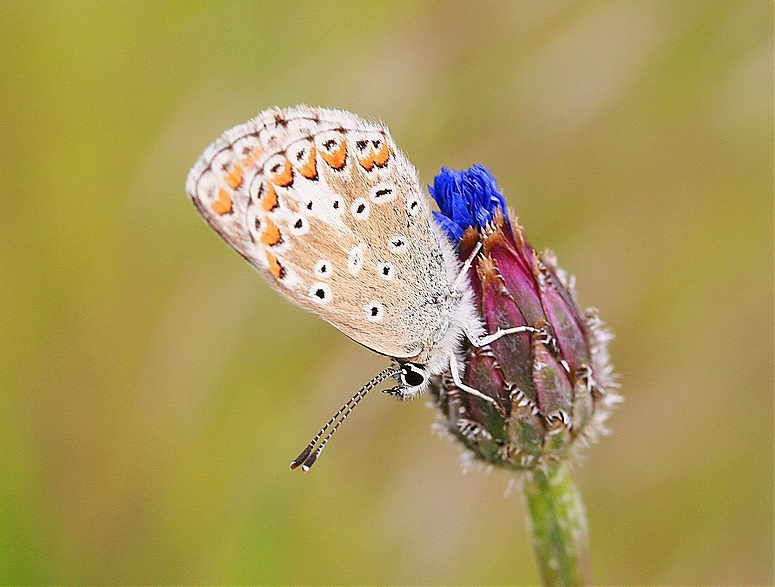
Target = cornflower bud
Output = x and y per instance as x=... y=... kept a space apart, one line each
x=554 y=386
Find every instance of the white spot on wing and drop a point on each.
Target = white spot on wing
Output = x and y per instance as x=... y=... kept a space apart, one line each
x=398 y=244
x=320 y=293
x=360 y=208
x=323 y=268
x=355 y=258
x=382 y=193
x=374 y=311
x=385 y=270
x=413 y=205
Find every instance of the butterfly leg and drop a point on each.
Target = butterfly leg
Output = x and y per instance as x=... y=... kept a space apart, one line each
x=453 y=367
x=466 y=266
x=485 y=340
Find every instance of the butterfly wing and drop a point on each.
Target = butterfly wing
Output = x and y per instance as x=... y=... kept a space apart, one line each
x=327 y=208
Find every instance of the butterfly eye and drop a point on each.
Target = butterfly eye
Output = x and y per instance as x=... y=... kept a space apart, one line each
x=412 y=375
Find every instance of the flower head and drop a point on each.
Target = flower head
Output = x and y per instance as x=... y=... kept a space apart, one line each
x=553 y=387
x=465 y=198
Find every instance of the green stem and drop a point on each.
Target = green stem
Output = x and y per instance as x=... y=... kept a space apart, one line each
x=558 y=525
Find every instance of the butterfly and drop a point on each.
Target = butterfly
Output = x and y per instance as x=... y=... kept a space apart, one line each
x=326 y=207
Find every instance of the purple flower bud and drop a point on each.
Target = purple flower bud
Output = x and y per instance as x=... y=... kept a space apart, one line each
x=553 y=387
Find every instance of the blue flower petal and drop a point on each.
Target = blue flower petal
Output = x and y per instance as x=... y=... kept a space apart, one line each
x=465 y=198
x=452 y=229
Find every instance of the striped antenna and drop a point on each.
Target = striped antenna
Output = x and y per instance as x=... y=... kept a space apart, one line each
x=310 y=454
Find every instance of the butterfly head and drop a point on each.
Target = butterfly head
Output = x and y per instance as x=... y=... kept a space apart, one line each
x=412 y=379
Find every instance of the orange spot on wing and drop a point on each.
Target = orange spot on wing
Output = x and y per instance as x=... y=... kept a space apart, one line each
x=271 y=235
x=285 y=177
x=310 y=170
x=338 y=158
x=269 y=201
x=274 y=266
x=234 y=177
x=250 y=159
x=384 y=154
x=367 y=162
x=223 y=204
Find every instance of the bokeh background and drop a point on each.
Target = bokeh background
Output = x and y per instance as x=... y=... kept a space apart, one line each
x=153 y=389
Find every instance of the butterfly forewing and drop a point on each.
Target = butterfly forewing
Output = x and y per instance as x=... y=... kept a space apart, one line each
x=326 y=207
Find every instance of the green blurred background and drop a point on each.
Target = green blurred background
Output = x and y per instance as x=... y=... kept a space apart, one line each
x=153 y=389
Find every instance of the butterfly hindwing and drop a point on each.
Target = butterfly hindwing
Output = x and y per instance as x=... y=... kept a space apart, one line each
x=327 y=208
